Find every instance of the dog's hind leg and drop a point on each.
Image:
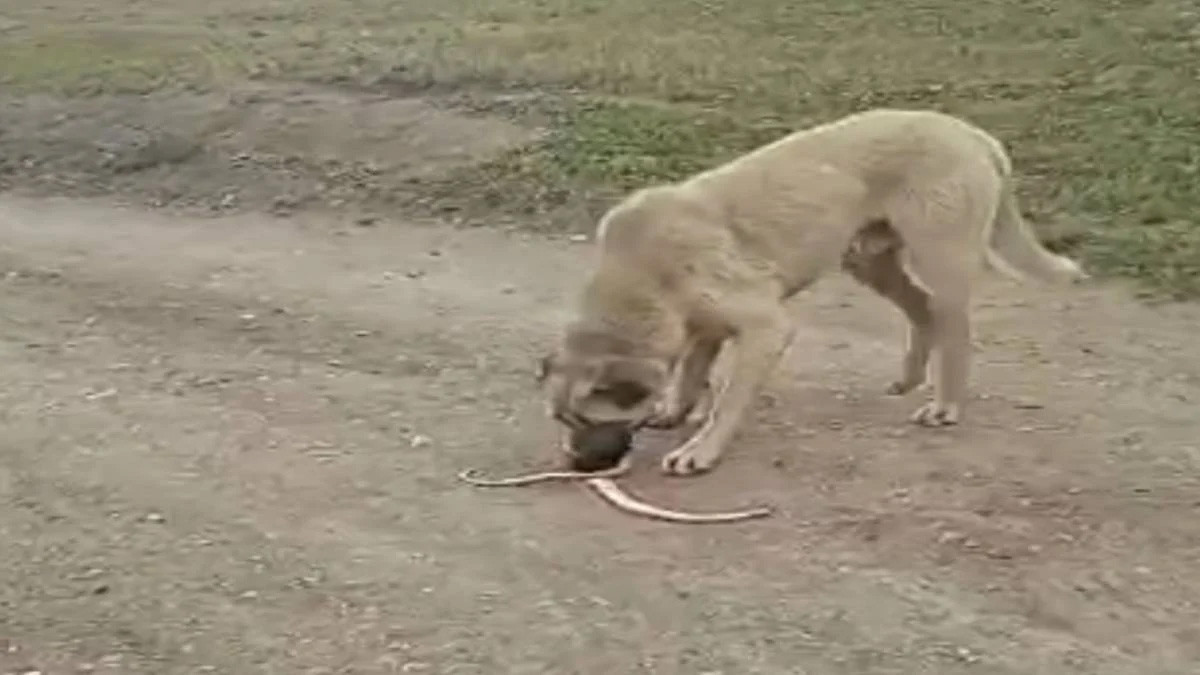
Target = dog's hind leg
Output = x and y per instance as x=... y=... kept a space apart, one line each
x=950 y=330
x=943 y=230
x=874 y=260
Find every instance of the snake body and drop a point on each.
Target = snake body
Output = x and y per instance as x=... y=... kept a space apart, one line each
x=602 y=483
x=531 y=478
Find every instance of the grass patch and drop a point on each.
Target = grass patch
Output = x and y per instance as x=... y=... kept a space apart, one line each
x=628 y=145
x=600 y=148
x=1096 y=101
x=82 y=63
x=1113 y=183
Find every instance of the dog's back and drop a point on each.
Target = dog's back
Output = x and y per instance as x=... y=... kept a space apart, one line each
x=880 y=147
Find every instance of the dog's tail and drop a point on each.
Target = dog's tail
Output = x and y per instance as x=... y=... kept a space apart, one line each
x=1014 y=250
x=1012 y=246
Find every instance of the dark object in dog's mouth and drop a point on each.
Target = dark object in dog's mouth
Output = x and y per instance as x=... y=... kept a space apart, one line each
x=599 y=447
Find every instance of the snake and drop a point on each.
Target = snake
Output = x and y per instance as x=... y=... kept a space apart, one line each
x=602 y=483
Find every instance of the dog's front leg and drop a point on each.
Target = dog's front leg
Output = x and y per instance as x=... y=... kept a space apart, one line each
x=689 y=385
x=757 y=346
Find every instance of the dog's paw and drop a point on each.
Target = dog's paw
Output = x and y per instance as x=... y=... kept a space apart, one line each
x=908 y=385
x=689 y=460
x=935 y=414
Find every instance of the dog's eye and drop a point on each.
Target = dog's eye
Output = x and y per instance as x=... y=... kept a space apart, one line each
x=623 y=394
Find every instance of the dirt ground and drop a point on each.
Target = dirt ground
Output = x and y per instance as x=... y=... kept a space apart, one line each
x=230 y=446
x=243 y=357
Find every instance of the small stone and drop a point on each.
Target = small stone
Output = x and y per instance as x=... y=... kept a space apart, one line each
x=98 y=395
x=155 y=517
x=578 y=238
x=420 y=441
x=92 y=573
x=950 y=537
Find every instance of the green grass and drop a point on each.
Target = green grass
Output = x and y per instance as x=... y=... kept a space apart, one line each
x=628 y=144
x=80 y=62
x=1097 y=99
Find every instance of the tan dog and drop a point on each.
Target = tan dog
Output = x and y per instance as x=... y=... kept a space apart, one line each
x=910 y=203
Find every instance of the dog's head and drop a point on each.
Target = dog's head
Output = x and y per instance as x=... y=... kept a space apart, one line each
x=595 y=379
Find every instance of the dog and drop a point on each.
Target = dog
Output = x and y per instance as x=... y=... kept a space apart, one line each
x=909 y=202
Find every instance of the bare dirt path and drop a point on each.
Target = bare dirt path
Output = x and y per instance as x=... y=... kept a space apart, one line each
x=229 y=446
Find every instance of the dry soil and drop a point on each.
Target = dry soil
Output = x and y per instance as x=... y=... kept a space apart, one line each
x=230 y=446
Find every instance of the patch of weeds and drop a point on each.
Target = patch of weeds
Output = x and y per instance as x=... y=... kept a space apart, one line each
x=1096 y=100
x=1164 y=258
x=598 y=150
x=630 y=144
x=90 y=63
x=1137 y=178
x=516 y=182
